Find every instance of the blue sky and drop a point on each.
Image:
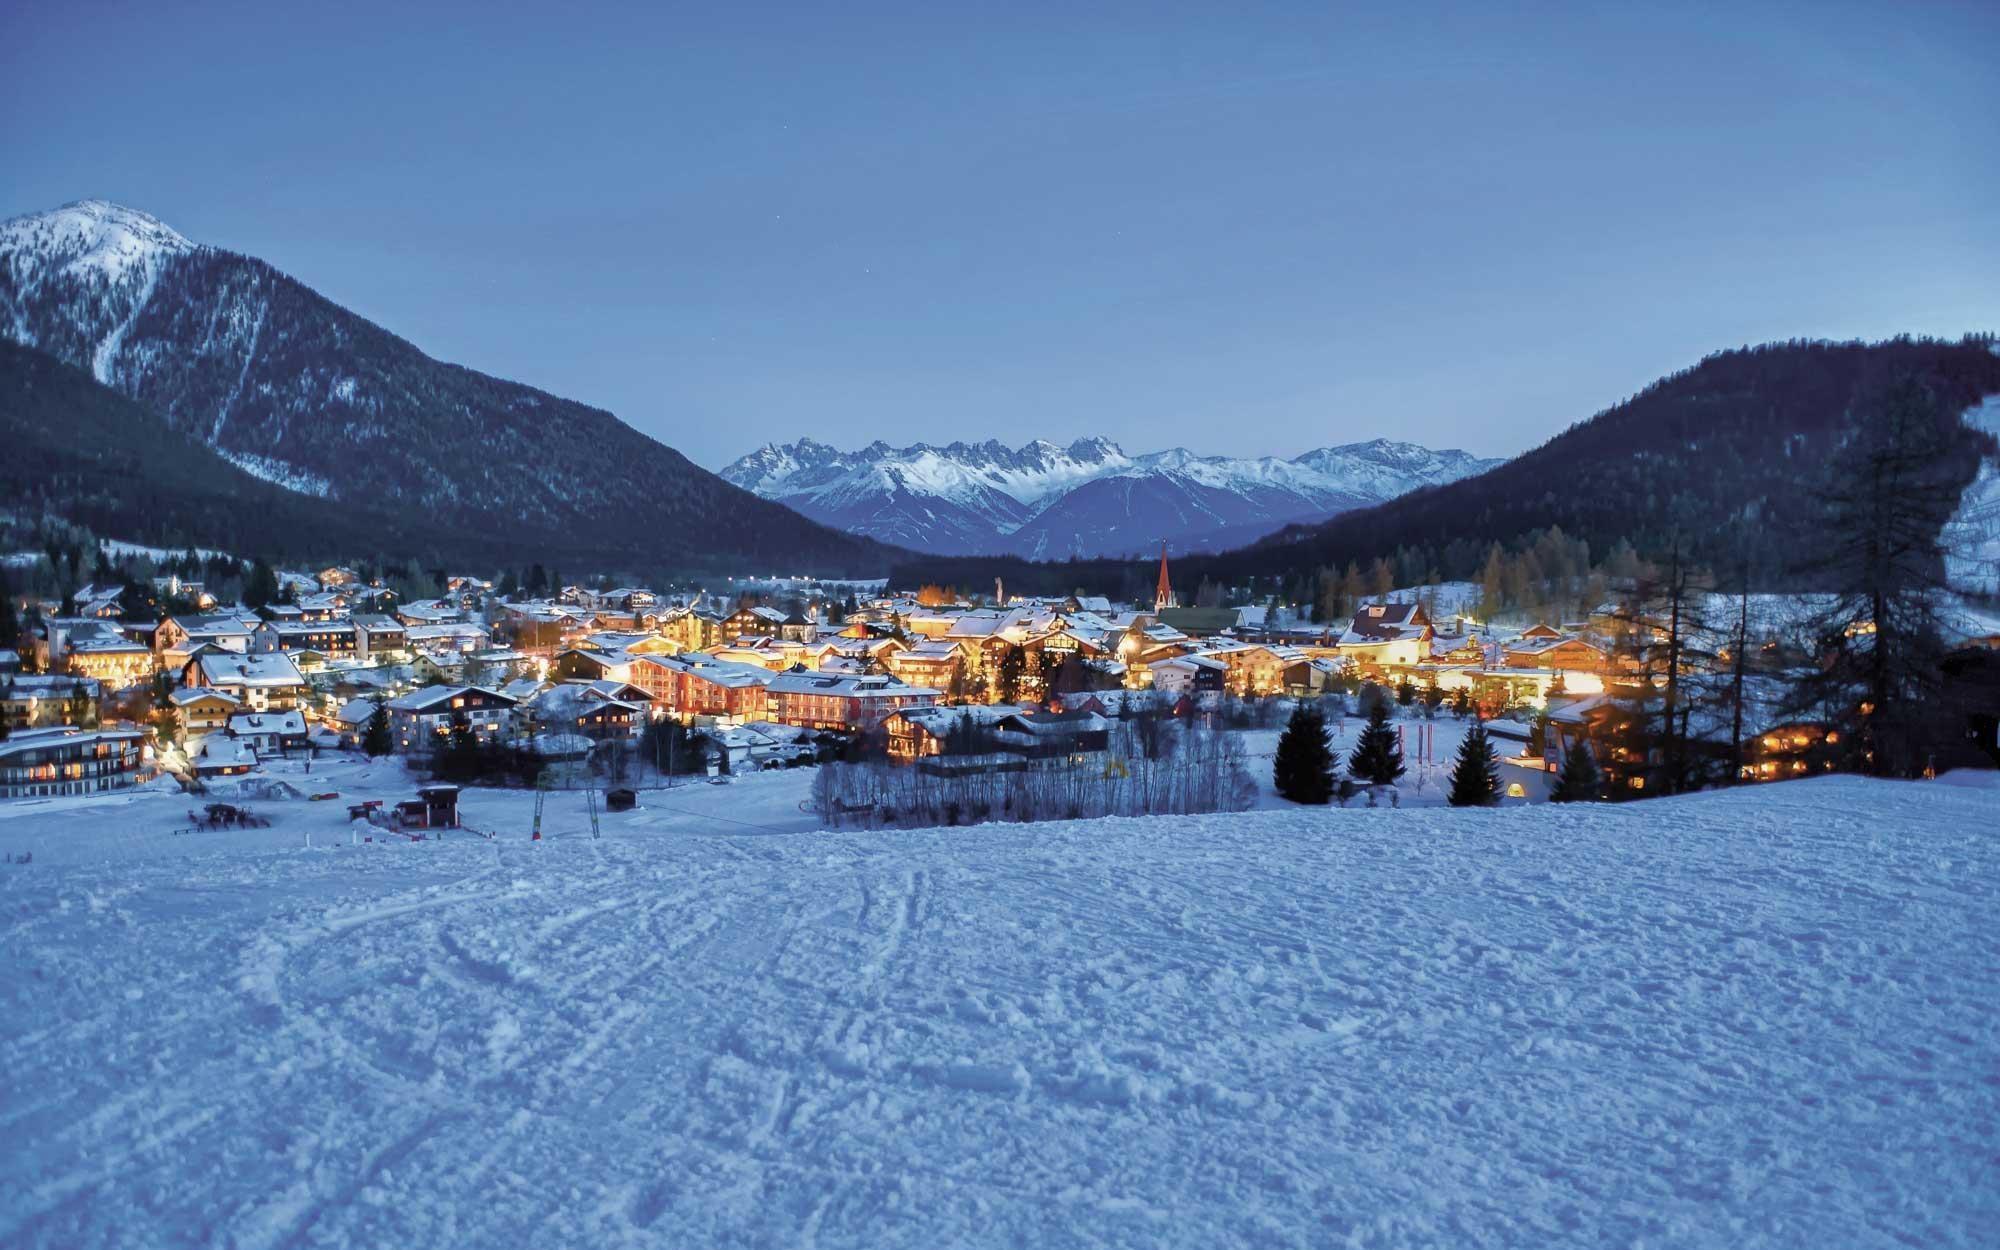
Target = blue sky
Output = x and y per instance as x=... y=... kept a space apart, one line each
x=1238 y=228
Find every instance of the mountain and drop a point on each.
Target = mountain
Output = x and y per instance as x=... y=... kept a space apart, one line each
x=1044 y=501
x=1729 y=454
x=79 y=449
x=296 y=390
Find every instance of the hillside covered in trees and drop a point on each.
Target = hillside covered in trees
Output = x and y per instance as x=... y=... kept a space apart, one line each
x=1730 y=454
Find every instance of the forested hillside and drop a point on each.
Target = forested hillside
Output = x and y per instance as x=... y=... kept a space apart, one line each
x=297 y=390
x=1731 y=454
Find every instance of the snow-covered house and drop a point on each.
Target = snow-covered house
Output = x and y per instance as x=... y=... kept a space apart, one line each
x=260 y=683
x=60 y=760
x=269 y=733
x=1387 y=635
x=203 y=710
x=838 y=702
x=418 y=720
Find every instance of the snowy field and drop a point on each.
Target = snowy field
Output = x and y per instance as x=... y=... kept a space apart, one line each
x=1763 y=1018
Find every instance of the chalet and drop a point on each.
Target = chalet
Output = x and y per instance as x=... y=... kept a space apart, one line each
x=418 y=720
x=337 y=575
x=326 y=606
x=220 y=755
x=1387 y=635
x=333 y=639
x=917 y=732
x=756 y=622
x=269 y=733
x=1572 y=655
x=1187 y=674
x=379 y=638
x=260 y=683
x=37 y=763
x=202 y=710
x=588 y=664
x=225 y=630
x=1053 y=735
x=446 y=637
x=1457 y=649
x=823 y=701
x=430 y=612
x=350 y=723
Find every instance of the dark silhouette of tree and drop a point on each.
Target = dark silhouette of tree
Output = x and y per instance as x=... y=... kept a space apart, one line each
x=1475 y=777
x=1376 y=758
x=1302 y=769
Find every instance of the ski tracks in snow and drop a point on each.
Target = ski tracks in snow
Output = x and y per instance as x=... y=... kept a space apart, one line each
x=1765 y=1019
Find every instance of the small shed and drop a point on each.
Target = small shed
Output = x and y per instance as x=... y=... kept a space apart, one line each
x=435 y=807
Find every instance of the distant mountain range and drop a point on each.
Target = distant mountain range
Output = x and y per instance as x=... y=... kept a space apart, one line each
x=1042 y=501
x=1728 y=459
x=294 y=389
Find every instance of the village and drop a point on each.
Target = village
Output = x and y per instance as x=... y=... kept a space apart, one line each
x=572 y=688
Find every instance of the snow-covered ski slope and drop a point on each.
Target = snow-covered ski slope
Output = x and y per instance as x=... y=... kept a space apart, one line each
x=1763 y=1018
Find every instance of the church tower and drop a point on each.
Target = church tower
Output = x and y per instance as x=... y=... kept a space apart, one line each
x=1163 y=598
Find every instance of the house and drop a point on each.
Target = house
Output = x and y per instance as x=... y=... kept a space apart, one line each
x=590 y=664
x=418 y=720
x=1570 y=655
x=841 y=702
x=757 y=622
x=260 y=683
x=1053 y=735
x=36 y=763
x=917 y=732
x=1187 y=674
x=379 y=639
x=330 y=638
x=227 y=631
x=1387 y=635
x=220 y=755
x=269 y=733
x=30 y=700
x=350 y=723
x=203 y=710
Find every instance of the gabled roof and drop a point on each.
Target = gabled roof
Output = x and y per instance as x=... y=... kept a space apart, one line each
x=431 y=698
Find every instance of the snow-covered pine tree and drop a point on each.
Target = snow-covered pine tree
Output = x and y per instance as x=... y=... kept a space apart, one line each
x=1475 y=778
x=1302 y=769
x=1376 y=759
x=1579 y=780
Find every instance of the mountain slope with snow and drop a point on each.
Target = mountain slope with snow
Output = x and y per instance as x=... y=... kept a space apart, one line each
x=1753 y=1018
x=1090 y=498
x=295 y=389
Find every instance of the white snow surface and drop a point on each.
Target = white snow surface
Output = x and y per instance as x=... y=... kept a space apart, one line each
x=279 y=472
x=1756 y=1018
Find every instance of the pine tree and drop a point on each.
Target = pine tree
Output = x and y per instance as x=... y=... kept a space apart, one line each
x=1376 y=759
x=1475 y=778
x=1302 y=770
x=10 y=621
x=376 y=739
x=1579 y=780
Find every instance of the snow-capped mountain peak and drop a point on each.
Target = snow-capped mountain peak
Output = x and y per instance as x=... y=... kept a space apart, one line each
x=91 y=237
x=1090 y=497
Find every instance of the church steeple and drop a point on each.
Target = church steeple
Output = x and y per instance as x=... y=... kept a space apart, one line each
x=1163 y=598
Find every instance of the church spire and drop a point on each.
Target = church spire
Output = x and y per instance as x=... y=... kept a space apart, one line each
x=1163 y=598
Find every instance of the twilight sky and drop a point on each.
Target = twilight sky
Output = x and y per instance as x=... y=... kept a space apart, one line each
x=1254 y=229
